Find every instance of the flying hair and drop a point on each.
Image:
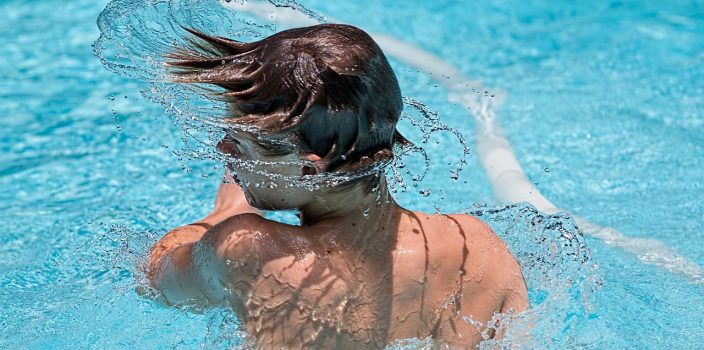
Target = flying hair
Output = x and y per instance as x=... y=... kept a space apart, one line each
x=328 y=87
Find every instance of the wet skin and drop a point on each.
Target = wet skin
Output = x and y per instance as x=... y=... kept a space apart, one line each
x=343 y=279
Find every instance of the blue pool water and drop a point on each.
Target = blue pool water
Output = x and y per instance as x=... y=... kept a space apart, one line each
x=604 y=106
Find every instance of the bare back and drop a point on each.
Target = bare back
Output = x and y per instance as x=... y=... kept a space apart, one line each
x=296 y=287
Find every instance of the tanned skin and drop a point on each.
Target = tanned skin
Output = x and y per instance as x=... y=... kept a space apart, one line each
x=343 y=279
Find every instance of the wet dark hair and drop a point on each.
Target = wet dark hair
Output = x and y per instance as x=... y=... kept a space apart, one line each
x=329 y=87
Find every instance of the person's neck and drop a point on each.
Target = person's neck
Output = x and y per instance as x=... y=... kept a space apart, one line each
x=356 y=206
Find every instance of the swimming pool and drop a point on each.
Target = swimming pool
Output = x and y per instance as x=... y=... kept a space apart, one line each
x=603 y=105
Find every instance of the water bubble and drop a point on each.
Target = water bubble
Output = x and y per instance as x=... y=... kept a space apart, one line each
x=547 y=170
x=425 y=192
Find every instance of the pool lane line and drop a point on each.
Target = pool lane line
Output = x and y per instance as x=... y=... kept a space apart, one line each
x=494 y=150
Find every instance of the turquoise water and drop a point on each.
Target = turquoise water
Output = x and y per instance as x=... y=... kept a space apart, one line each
x=606 y=96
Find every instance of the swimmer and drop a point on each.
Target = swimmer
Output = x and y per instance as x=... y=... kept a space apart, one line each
x=359 y=271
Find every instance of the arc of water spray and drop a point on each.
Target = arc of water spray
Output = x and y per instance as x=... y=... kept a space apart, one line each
x=493 y=149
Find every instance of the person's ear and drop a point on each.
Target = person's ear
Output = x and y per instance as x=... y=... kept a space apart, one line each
x=315 y=164
x=226 y=145
x=319 y=165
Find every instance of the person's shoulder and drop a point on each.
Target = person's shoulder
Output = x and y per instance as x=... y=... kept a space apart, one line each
x=472 y=224
x=481 y=239
x=238 y=225
x=491 y=258
x=475 y=233
x=239 y=236
x=445 y=227
x=453 y=236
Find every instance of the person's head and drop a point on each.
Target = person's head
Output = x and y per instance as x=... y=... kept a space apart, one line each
x=327 y=91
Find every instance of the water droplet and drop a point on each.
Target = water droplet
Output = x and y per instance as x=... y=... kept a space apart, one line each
x=547 y=170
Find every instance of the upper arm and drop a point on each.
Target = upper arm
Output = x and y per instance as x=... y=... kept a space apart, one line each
x=514 y=286
x=501 y=271
x=492 y=282
x=199 y=273
x=507 y=277
x=178 y=278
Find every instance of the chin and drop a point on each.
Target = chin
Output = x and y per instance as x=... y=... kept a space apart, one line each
x=260 y=204
x=266 y=200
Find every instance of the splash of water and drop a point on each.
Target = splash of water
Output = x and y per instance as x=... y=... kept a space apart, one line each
x=427 y=126
x=122 y=252
x=136 y=35
x=135 y=38
x=560 y=274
